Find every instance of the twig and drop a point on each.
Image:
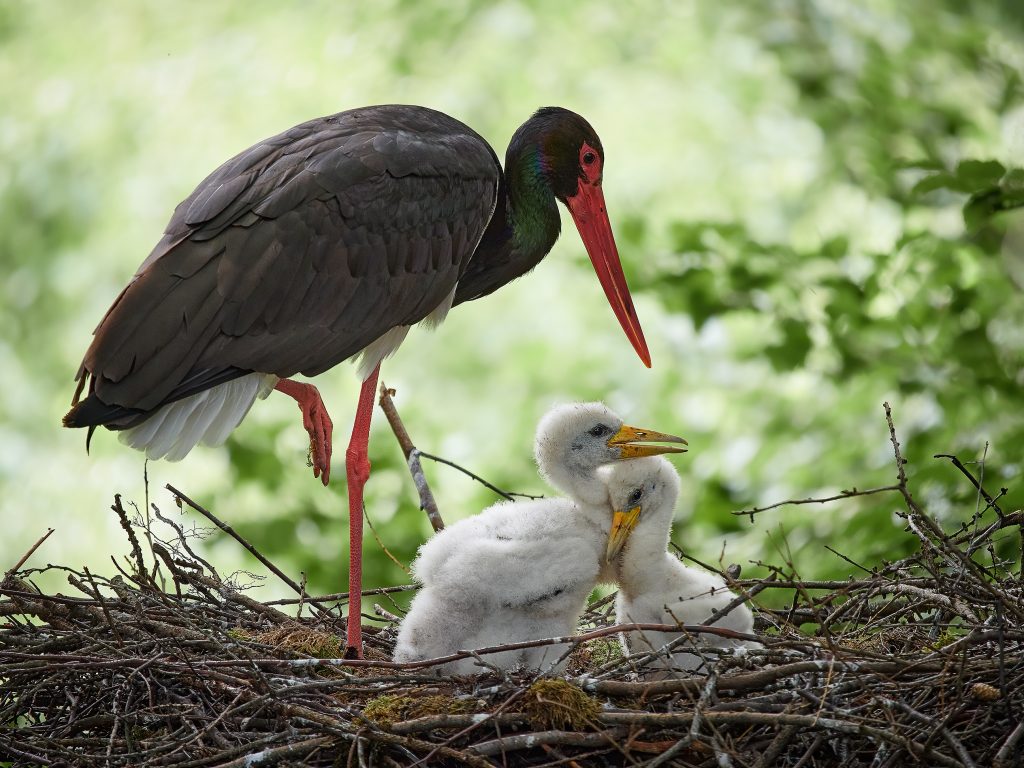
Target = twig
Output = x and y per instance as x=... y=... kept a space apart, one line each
x=974 y=481
x=248 y=547
x=509 y=495
x=383 y=547
x=269 y=757
x=744 y=597
x=948 y=737
x=541 y=738
x=122 y=516
x=24 y=558
x=344 y=595
x=852 y=493
x=901 y=473
x=1006 y=749
x=103 y=606
x=412 y=458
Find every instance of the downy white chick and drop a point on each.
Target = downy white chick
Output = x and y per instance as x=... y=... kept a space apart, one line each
x=523 y=570
x=654 y=587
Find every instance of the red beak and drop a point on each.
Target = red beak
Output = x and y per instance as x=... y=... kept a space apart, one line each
x=588 y=211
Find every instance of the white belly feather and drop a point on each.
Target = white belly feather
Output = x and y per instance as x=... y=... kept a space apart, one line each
x=207 y=417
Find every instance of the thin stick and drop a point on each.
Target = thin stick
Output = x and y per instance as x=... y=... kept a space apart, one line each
x=344 y=595
x=412 y=458
x=510 y=495
x=793 y=502
x=248 y=547
x=974 y=481
x=17 y=566
x=384 y=549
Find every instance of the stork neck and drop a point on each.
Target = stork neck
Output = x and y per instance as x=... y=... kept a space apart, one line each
x=524 y=226
x=577 y=480
x=532 y=213
x=645 y=560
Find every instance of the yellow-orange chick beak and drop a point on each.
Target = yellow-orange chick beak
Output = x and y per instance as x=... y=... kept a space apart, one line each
x=623 y=524
x=627 y=437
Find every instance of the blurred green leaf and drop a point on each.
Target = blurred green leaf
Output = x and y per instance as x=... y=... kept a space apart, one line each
x=975 y=175
x=792 y=351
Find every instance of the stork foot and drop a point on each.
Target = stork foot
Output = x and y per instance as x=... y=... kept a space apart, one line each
x=317 y=422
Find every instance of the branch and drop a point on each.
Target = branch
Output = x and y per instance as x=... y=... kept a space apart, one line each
x=974 y=481
x=509 y=495
x=844 y=494
x=412 y=457
x=901 y=474
x=17 y=566
x=563 y=738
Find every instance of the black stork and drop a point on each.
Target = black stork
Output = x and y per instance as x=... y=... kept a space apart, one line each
x=325 y=241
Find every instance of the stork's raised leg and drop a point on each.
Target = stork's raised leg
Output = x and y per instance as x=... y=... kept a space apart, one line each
x=316 y=421
x=357 y=467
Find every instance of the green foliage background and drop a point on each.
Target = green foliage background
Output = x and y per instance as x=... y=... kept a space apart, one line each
x=813 y=200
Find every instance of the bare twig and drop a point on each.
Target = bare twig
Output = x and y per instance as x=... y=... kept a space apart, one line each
x=248 y=547
x=974 y=481
x=850 y=494
x=412 y=458
x=122 y=516
x=24 y=558
x=509 y=495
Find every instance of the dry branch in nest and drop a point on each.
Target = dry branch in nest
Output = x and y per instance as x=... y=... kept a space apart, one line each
x=915 y=662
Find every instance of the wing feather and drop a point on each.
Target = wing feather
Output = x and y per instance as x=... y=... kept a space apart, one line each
x=299 y=252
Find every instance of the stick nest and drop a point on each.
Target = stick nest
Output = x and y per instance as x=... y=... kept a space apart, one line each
x=916 y=662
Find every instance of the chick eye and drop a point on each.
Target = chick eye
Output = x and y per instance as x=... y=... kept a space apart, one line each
x=599 y=430
x=634 y=497
x=589 y=158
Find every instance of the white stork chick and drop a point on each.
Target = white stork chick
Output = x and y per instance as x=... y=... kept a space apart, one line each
x=654 y=587
x=523 y=570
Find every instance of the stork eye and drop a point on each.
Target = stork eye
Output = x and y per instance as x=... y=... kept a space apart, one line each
x=599 y=430
x=589 y=158
x=634 y=497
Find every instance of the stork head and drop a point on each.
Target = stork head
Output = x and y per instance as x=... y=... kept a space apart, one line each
x=574 y=440
x=563 y=152
x=643 y=498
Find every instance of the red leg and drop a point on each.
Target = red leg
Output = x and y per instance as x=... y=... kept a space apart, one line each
x=357 y=466
x=316 y=421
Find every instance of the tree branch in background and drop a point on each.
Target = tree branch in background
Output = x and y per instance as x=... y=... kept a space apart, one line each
x=412 y=458
x=844 y=494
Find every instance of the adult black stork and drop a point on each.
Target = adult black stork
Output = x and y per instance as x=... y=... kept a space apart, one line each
x=325 y=241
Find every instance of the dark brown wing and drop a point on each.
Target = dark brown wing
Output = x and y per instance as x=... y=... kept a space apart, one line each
x=295 y=255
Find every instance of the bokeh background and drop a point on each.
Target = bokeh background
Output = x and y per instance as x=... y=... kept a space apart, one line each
x=812 y=199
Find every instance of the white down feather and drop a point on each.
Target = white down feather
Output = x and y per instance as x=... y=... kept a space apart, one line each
x=654 y=587
x=519 y=570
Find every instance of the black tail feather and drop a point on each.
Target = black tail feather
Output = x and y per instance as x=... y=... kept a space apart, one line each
x=93 y=412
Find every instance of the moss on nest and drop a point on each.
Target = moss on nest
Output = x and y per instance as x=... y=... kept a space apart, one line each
x=300 y=639
x=560 y=705
x=388 y=710
x=591 y=655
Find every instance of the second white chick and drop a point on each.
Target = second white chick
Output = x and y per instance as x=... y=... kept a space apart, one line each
x=654 y=587
x=523 y=570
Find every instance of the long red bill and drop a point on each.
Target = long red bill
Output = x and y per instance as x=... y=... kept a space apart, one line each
x=588 y=211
